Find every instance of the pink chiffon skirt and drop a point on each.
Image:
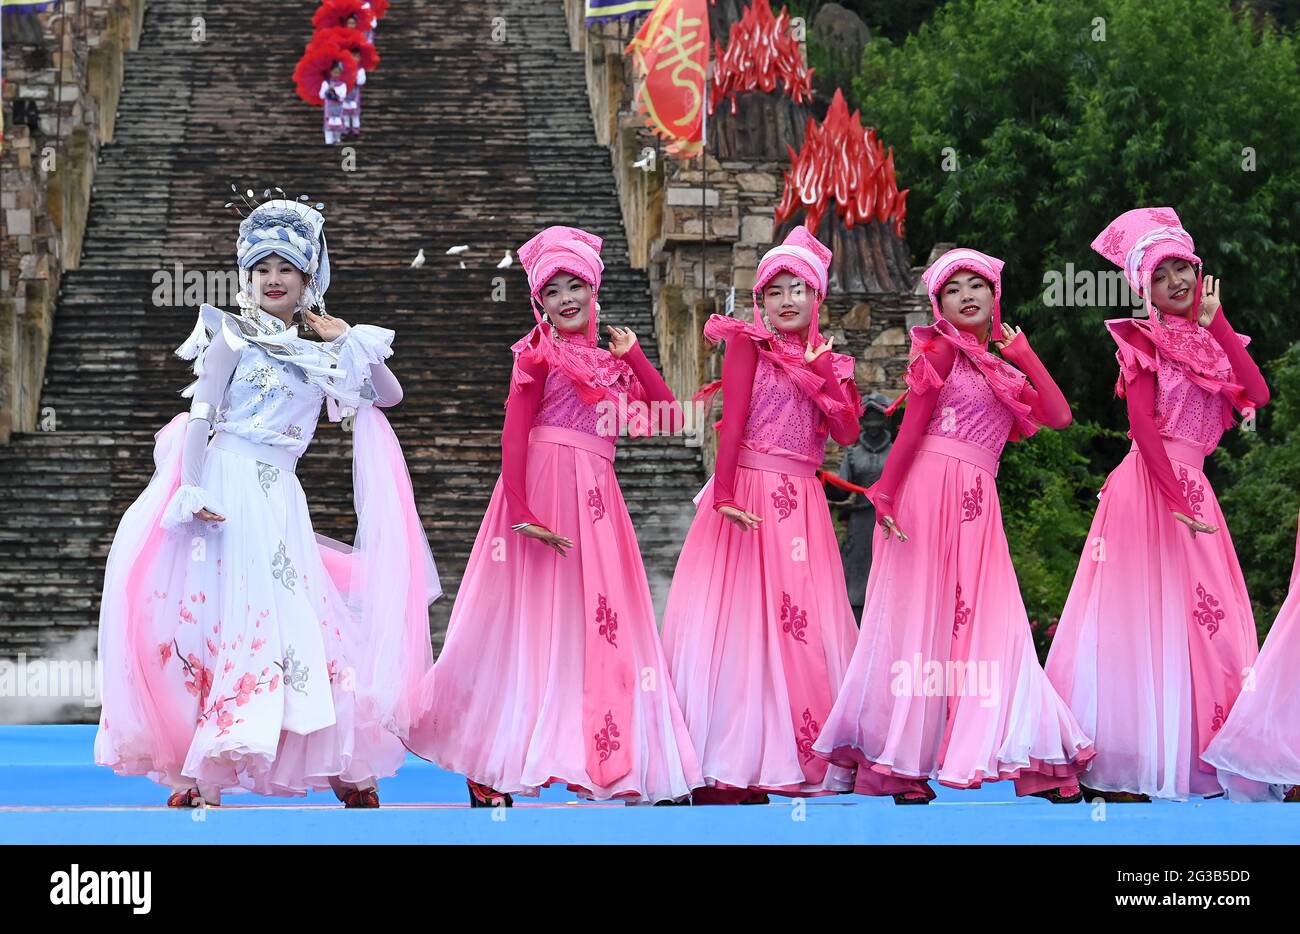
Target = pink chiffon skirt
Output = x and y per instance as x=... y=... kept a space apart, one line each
x=1156 y=636
x=759 y=630
x=945 y=683
x=552 y=670
x=1257 y=752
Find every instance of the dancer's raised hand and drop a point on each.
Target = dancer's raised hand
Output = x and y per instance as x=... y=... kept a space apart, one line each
x=327 y=327
x=1209 y=300
x=1009 y=333
x=621 y=340
x=811 y=353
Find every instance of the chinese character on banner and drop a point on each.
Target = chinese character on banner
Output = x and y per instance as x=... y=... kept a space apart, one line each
x=672 y=53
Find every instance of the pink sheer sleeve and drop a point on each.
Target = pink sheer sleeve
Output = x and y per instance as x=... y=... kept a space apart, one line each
x=844 y=426
x=739 y=366
x=666 y=414
x=925 y=377
x=1049 y=404
x=1141 y=399
x=521 y=409
x=1244 y=369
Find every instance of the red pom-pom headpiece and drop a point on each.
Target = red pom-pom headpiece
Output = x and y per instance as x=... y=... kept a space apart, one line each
x=315 y=66
x=334 y=14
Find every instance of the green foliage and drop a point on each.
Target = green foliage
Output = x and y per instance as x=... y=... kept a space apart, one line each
x=1061 y=115
x=1057 y=130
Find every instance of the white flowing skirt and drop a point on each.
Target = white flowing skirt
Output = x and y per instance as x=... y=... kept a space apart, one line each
x=254 y=640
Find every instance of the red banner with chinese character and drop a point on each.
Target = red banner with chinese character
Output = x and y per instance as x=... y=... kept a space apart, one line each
x=672 y=52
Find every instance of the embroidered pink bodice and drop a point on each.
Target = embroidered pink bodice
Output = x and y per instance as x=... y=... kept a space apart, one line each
x=1180 y=382
x=1186 y=411
x=968 y=410
x=782 y=419
x=549 y=397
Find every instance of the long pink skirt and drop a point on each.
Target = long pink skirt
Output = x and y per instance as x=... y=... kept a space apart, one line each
x=1156 y=635
x=552 y=670
x=1257 y=752
x=759 y=630
x=944 y=682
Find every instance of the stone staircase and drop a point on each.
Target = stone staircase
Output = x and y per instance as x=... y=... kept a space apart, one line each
x=467 y=140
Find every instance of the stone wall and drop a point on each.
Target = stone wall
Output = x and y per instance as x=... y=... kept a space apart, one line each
x=62 y=77
x=699 y=230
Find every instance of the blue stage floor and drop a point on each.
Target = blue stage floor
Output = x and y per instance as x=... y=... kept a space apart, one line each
x=50 y=792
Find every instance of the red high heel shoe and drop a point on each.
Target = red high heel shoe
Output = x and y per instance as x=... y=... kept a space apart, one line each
x=481 y=796
x=361 y=798
x=189 y=798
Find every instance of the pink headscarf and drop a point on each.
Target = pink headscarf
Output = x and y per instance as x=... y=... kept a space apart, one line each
x=990 y=267
x=1140 y=240
x=563 y=249
x=595 y=372
x=802 y=255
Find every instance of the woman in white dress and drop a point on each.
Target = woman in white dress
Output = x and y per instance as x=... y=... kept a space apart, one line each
x=240 y=650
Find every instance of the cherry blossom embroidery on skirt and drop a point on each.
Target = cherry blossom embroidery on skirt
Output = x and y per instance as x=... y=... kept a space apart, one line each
x=607 y=619
x=606 y=740
x=963 y=614
x=248 y=685
x=972 y=502
x=1207 y=612
x=793 y=620
x=784 y=498
x=1194 y=491
x=596 y=502
x=808 y=731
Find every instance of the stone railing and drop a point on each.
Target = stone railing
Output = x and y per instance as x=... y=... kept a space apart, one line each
x=63 y=74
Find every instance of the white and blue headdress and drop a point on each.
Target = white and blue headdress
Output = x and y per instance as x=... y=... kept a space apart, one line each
x=294 y=230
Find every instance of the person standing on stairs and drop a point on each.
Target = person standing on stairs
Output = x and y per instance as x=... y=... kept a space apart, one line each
x=552 y=670
x=945 y=682
x=352 y=100
x=1158 y=631
x=240 y=650
x=758 y=626
x=334 y=94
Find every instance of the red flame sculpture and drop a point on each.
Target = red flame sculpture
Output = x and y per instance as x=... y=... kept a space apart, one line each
x=840 y=160
x=760 y=50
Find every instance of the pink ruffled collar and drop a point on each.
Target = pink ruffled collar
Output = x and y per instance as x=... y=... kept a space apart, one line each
x=785 y=353
x=1006 y=382
x=596 y=373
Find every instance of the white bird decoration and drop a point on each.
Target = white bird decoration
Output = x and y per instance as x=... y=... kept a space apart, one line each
x=419 y=259
x=506 y=261
x=457 y=250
